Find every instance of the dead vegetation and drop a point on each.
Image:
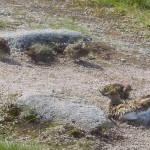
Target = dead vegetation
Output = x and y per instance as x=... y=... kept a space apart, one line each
x=50 y=53
x=20 y=122
x=41 y=53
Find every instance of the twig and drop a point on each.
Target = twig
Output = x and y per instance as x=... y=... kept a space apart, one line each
x=114 y=122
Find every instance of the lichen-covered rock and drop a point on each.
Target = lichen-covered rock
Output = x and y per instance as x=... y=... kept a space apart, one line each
x=21 y=40
x=50 y=108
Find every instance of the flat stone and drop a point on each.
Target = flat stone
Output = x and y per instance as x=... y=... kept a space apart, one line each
x=20 y=40
x=52 y=108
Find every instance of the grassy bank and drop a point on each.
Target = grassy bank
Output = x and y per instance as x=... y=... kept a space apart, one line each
x=143 y=4
x=18 y=146
x=139 y=9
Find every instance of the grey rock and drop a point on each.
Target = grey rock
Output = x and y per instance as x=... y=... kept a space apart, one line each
x=50 y=108
x=20 y=40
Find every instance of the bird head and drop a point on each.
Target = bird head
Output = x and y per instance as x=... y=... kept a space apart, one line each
x=128 y=88
x=112 y=93
x=112 y=89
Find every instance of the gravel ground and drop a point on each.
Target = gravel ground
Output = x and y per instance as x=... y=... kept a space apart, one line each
x=68 y=79
x=75 y=80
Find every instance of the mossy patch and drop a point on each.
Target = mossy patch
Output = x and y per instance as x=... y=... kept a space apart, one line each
x=15 y=145
x=28 y=115
x=13 y=96
x=26 y=123
x=89 y=49
x=3 y=24
x=9 y=112
x=73 y=131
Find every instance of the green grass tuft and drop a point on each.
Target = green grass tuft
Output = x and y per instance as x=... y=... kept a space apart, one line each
x=18 y=146
x=137 y=9
x=145 y=4
x=3 y=23
x=67 y=24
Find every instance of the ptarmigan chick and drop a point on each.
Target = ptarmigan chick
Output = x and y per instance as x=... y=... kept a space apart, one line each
x=136 y=111
x=120 y=91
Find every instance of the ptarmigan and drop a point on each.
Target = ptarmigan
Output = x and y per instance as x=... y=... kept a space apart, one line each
x=119 y=91
x=134 y=111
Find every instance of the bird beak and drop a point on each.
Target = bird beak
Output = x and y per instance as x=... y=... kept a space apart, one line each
x=106 y=94
x=103 y=93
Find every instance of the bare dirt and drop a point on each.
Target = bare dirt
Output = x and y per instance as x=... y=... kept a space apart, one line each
x=127 y=65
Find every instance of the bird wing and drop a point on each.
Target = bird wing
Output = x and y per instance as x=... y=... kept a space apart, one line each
x=136 y=106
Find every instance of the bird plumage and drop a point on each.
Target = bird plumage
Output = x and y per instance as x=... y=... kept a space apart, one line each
x=136 y=110
x=137 y=106
x=116 y=92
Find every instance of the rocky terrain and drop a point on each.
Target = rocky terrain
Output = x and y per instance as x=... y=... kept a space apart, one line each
x=129 y=63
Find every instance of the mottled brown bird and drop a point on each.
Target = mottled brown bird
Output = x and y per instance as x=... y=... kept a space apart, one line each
x=119 y=91
x=137 y=110
x=4 y=49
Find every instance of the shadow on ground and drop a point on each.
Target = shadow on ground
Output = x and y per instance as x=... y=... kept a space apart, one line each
x=89 y=65
x=11 y=62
